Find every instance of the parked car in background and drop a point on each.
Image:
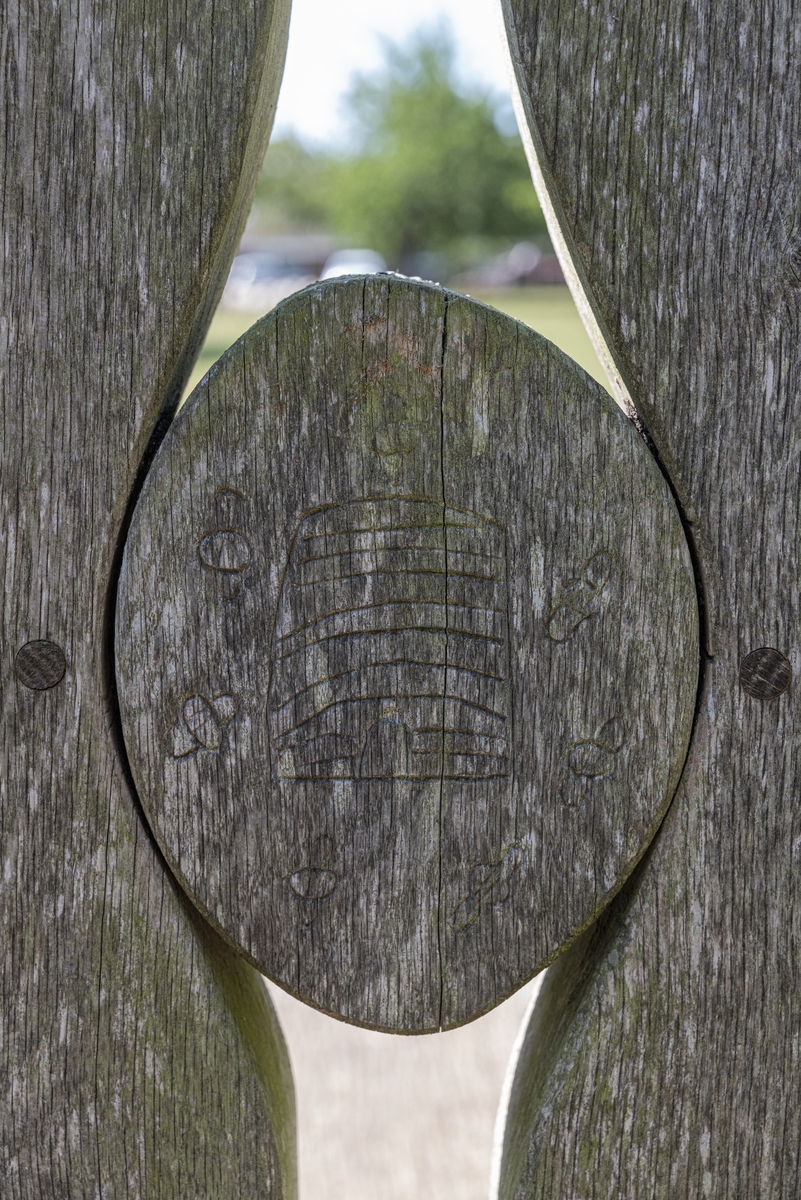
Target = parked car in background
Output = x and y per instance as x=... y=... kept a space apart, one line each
x=258 y=279
x=265 y=273
x=353 y=262
x=525 y=265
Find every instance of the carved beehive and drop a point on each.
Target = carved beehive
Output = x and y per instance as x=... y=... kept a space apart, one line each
x=390 y=645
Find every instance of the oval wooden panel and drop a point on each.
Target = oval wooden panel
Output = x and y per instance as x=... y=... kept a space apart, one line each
x=407 y=650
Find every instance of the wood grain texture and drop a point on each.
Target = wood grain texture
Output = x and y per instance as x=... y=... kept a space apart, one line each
x=663 y=1057
x=140 y=1057
x=407 y=650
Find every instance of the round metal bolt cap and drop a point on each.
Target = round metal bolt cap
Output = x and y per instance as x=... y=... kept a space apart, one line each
x=40 y=665
x=765 y=673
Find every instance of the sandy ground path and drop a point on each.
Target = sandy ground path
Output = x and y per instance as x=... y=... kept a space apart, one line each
x=382 y=1117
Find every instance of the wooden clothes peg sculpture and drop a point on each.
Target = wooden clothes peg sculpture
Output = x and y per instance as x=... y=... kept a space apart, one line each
x=407 y=642
x=139 y=1055
x=663 y=1054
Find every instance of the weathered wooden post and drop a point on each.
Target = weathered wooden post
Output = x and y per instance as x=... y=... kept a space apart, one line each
x=663 y=1055
x=139 y=1056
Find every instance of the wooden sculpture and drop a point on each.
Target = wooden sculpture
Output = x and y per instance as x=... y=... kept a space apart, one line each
x=379 y=669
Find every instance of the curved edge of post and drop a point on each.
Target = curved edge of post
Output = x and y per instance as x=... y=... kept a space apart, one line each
x=554 y=1028
x=557 y=227
x=257 y=1023
x=504 y=1103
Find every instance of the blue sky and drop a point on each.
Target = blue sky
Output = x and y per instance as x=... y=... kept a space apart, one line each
x=331 y=39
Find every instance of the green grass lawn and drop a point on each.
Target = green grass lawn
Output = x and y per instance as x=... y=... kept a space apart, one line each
x=549 y=310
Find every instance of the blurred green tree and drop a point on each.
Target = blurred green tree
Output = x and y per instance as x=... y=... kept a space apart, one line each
x=291 y=194
x=429 y=168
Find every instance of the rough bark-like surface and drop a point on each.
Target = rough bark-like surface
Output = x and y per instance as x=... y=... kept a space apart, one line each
x=663 y=1057
x=139 y=1056
x=407 y=650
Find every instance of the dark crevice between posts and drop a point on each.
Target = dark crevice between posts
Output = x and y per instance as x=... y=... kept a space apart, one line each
x=204 y=313
x=440 y=914
x=573 y=967
x=620 y=901
x=616 y=908
x=634 y=414
x=573 y=971
x=173 y=392
x=109 y=671
x=704 y=654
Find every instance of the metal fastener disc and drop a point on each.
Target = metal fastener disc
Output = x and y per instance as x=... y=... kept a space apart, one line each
x=765 y=673
x=40 y=665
